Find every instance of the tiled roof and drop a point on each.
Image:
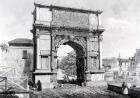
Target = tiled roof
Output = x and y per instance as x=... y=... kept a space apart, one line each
x=21 y=42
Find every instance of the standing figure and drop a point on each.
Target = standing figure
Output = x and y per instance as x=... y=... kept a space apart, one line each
x=124 y=88
x=39 y=85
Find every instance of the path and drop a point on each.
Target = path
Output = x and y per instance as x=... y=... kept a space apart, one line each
x=74 y=91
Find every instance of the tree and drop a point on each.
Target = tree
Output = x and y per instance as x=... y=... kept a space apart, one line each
x=4 y=47
x=68 y=63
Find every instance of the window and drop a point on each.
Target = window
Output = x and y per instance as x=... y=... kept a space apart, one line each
x=139 y=74
x=24 y=54
x=133 y=74
x=44 y=62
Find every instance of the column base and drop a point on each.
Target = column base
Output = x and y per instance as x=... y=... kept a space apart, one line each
x=47 y=78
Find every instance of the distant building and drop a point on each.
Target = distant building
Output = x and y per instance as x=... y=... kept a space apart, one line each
x=115 y=67
x=124 y=64
x=16 y=63
x=111 y=64
x=135 y=62
x=18 y=56
x=117 y=64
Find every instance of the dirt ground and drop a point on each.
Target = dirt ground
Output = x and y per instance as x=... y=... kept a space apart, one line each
x=75 y=91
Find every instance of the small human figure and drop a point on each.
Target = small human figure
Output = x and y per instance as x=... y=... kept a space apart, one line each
x=30 y=83
x=39 y=85
x=34 y=86
x=124 y=88
x=123 y=84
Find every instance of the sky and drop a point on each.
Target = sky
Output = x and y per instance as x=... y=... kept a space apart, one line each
x=120 y=19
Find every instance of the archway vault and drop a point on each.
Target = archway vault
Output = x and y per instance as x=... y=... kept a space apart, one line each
x=80 y=60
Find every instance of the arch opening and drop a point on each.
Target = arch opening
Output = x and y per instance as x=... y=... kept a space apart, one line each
x=74 y=58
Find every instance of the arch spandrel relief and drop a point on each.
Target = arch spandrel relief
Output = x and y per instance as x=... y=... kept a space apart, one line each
x=62 y=39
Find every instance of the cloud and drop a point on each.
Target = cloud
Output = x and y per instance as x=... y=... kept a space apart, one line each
x=121 y=36
x=15 y=19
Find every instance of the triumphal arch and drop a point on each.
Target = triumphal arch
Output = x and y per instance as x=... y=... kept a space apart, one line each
x=81 y=29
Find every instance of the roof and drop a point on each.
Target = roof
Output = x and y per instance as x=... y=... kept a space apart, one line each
x=21 y=42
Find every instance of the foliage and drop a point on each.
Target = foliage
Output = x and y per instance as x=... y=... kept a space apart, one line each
x=4 y=47
x=68 y=63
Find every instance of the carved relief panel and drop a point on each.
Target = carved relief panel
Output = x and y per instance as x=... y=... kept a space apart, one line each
x=93 y=53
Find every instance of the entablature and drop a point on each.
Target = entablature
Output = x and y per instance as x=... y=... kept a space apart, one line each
x=68 y=30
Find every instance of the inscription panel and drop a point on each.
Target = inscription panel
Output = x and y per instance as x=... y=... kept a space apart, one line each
x=70 y=19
